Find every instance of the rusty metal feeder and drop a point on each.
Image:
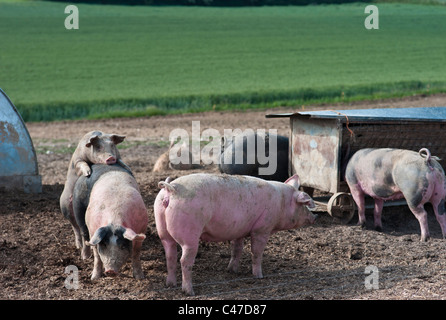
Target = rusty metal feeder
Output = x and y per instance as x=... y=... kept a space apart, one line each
x=18 y=161
x=322 y=142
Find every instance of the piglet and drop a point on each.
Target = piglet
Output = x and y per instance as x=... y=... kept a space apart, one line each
x=390 y=174
x=112 y=217
x=94 y=147
x=213 y=207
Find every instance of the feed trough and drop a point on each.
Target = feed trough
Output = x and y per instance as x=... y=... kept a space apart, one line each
x=18 y=162
x=322 y=142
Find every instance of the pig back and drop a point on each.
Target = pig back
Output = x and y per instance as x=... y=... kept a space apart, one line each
x=82 y=191
x=115 y=199
x=226 y=206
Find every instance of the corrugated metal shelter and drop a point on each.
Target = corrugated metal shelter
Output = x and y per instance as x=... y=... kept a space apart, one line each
x=322 y=142
x=18 y=162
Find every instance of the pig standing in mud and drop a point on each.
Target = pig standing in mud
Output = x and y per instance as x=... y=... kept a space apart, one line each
x=94 y=147
x=390 y=174
x=212 y=207
x=112 y=217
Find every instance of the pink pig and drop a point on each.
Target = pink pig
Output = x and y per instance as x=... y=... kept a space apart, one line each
x=224 y=207
x=117 y=219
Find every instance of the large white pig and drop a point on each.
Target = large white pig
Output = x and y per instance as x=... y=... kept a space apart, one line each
x=212 y=207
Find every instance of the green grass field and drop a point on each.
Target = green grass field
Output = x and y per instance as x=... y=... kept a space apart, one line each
x=133 y=61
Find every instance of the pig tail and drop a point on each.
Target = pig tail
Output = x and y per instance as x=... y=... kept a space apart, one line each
x=166 y=185
x=425 y=153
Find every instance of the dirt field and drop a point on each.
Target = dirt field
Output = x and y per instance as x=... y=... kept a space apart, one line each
x=327 y=260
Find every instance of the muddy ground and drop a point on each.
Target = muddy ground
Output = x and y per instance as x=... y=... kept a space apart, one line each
x=327 y=260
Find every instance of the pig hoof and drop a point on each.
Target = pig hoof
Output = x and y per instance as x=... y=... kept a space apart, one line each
x=86 y=253
x=379 y=228
x=95 y=276
x=85 y=256
x=171 y=283
x=232 y=269
x=78 y=242
x=189 y=291
x=138 y=275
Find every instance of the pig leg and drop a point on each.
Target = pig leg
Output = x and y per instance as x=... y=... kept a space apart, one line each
x=236 y=253
x=74 y=225
x=86 y=251
x=187 y=262
x=136 y=261
x=79 y=215
x=169 y=244
x=440 y=214
x=377 y=214
x=170 y=249
x=421 y=216
x=258 y=244
x=77 y=234
x=359 y=197
x=66 y=206
x=97 y=266
x=82 y=168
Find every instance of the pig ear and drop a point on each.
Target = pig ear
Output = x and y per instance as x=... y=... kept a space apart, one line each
x=131 y=235
x=117 y=139
x=91 y=141
x=293 y=181
x=98 y=236
x=305 y=199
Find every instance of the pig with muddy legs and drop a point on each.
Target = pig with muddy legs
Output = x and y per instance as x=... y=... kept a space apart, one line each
x=213 y=207
x=112 y=218
x=390 y=174
x=94 y=147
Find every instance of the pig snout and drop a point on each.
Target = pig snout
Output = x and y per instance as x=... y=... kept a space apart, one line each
x=306 y=217
x=311 y=218
x=110 y=160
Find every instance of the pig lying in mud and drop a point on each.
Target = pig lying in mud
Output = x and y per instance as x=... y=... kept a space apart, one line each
x=390 y=174
x=212 y=207
x=112 y=218
x=94 y=147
